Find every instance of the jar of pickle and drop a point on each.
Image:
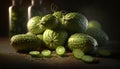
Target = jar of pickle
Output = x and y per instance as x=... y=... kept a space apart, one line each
x=17 y=18
x=36 y=8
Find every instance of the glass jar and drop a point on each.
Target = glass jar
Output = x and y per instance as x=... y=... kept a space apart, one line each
x=36 y=9
x=17 y=18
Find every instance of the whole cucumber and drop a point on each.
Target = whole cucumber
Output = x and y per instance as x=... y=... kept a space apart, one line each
x=25 y=43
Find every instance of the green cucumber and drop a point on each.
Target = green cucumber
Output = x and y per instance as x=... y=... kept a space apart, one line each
x=78 y=53
x=49 y=21
x=23 y=43
x=46 y=53
x=60 y=50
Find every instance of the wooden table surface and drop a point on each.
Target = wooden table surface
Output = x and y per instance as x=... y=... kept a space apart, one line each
x=9 y=58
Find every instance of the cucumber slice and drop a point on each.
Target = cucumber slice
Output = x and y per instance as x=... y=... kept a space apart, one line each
x=78 y=53
x=87 y=58
x=34 y=53
x=104 y=52
x=60 y=50
x=46 y=53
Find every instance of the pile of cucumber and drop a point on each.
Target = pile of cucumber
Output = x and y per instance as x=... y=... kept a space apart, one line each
x=62 y=33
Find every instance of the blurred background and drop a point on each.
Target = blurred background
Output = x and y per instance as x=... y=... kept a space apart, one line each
x=106 y=12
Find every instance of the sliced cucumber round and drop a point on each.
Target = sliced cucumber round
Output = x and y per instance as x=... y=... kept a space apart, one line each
x=60 y=50
x=34 y=53
x=78 y=53
x=104 y=52
x=46 y=53
x=87 y=58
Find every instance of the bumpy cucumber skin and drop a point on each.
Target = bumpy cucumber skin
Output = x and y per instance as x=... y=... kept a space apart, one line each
x=49 y=21
x=75 y=22
x=54 y=38
x=81 y=41
x=101 y=37
x=24 y=42
x=34 y=25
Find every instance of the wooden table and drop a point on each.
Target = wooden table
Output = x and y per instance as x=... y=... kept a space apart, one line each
x=10 y=59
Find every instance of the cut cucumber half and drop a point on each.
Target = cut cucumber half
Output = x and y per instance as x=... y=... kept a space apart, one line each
x=78 y=53
x=60 y=50
x=87 y=58
x=46 y=53
x=34 y=53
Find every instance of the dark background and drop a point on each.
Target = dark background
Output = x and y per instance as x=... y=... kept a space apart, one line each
x=106 y=12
